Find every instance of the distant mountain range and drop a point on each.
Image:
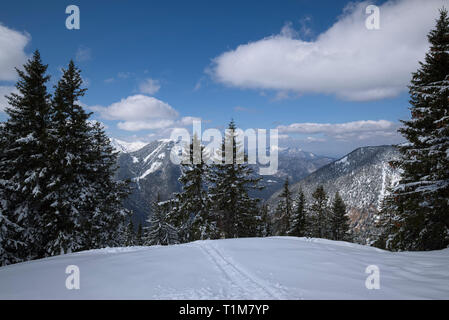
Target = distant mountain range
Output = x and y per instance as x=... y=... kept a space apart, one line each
x=151 y=172
x=363 y=178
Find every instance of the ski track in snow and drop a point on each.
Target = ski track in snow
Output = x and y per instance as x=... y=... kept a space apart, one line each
x=251 y=286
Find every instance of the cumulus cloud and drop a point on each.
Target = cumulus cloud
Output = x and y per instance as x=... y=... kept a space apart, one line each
x=141 y=112
x=347 y=60
x=12 y=54
x=149 y=86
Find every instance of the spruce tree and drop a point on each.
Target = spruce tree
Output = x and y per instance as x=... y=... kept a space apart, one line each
x=160 y=231
x=298 y=218
x=420 y=201
x=130 y=235
x=265 y=226
x=190 y=214
x=320 y=214
x=69 y=171
x=230 y=179
x=139 y=235
x=105 y=225
x=339 y=221
x=24 y=165
x=284 y=209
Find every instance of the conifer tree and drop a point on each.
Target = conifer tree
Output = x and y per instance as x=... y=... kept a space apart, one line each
x=190 y=214
x=139 y=235
x=339 y=220
x=284 y=209
x=106 y=222
x=298 y=218
x=68 y=149
x=420 y=202
x=265 y=227
x=230 y=180
x=160 y=231
x=24 y=165
x=320 y=213
x=130 y=235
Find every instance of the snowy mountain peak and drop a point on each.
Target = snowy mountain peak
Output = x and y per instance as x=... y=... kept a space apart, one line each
x=127 y=147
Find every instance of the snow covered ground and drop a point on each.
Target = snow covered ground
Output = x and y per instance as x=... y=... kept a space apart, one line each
x=253 y=268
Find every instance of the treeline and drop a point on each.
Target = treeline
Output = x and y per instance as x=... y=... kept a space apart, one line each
x=57 y=192
x=214 y=202
x=318 y=219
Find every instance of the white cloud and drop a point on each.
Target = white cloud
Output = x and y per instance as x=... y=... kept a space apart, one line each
x=5 y=90
x=12 y=54
x=141 y=112
x=137 y=107
x=149 y=86
x=339 y=128
x=347 y=60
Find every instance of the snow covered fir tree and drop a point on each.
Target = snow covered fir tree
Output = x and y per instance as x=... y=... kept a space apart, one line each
x=57 y=189
x=416 y=214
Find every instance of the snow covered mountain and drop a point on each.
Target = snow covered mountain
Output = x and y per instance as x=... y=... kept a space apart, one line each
x=362 y=177
x=247 y=268
x=126 y=147
x=151 y=173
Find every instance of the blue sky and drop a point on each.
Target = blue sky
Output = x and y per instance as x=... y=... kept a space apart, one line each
x=185 y=56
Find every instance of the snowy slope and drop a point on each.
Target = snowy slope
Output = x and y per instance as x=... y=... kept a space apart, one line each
x=126 y=147
x=252 y=268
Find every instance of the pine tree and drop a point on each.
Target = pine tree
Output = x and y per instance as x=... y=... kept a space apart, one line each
x=130 y=235
x=298 y=218
x=68 y=149
x=386 y=223
x=265 y=227
x=320 y=214
x=339 y=221
x=24 y=165
x=190 y=214
x=230 y=180
x=284 y=209
x=139 y=235
x=105 y=225
x=160 y=231
x=420 y=201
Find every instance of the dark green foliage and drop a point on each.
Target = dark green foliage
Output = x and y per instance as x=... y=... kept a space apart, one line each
x=284 y=210
x=191 y=214
x=160 y=231
x=298 y=225
x=57 y=189
x=339 y=221
x=420 y=204
x=320 y=214
x=230 y=179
